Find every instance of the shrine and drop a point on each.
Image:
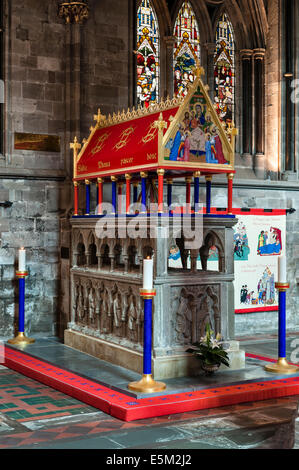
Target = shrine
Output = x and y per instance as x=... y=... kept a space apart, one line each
x=146 y=149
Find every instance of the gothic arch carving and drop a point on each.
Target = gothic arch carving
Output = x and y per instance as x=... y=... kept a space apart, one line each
x=212 y=239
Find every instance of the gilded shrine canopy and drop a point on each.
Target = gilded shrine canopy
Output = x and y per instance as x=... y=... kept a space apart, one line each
x=179 y=135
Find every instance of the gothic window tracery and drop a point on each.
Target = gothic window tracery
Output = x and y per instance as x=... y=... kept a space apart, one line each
x=148 y=55
x=186 y=49
x=224 y=70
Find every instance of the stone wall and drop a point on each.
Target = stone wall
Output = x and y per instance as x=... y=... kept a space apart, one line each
x=106 y=60
x=33 y=222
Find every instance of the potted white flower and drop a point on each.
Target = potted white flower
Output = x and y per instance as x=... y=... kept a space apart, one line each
x=210 y=352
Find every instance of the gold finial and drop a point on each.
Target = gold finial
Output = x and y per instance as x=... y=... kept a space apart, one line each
x=100 y=118
x=75 y=145
x=160 y=124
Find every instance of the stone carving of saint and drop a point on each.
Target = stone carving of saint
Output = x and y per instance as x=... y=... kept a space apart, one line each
x=184 y=321
x=76 y=303
x=80 y=304
x=105 y=319
x=91 y=306
x=132 y=321
x=117 y=314
x=206 y=315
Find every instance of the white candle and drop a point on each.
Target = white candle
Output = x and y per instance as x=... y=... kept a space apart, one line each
x=282 y=269
x=22 y=259
x=148 y=271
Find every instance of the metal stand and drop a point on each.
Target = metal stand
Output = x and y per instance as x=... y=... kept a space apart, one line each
x=21 y=338
x=147 y=384
x=282 y=366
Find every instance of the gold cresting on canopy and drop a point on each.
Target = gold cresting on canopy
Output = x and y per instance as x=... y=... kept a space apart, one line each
x=180 y=135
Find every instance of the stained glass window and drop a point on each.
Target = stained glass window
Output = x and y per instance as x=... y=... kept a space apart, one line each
x=224 y=70
x=186 y=49
x=148 y=50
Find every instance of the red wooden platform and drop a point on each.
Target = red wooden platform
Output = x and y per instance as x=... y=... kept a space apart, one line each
x=126 y=408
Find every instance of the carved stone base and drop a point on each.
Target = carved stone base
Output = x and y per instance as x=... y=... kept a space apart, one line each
x=165 y=367
x=236 y=356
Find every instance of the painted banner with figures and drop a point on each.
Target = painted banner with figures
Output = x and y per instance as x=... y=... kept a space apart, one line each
x=259 y=238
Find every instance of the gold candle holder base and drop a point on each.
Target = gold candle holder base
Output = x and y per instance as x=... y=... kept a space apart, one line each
x=20 y=339
x=147 y=385
x=282 y=367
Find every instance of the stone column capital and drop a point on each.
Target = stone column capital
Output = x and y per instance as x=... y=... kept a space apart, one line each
x=259 y=54
x=246 y=54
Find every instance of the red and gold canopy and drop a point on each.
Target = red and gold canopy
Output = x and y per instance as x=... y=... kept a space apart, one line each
x=179 y=135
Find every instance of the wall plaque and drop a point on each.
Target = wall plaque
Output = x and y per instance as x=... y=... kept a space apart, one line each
x=37 y=142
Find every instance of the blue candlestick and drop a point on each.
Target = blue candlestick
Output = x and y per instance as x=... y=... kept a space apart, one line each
x=114 y=195
x=282 y=324
x=282 y=366
x=196 y=193
x=21 y=305
x=208 y=194
x=169 y=195
x=143 y=193
x=87 y=199
x=21 y=338
x=147 y=337
x=147 y=384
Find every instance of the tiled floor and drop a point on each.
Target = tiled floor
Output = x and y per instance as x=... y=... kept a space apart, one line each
x=35 y=416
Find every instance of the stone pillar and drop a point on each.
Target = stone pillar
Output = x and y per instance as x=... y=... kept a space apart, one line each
x=289 y=119
x=259 y=106
x=74 y=16
x=210 y=50
x=246 y=57
x=169 y=42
